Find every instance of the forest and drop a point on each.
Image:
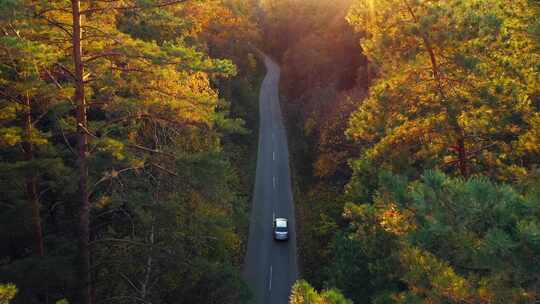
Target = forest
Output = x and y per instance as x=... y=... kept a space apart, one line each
x=415 y=134
x=126 y=150
x=128 y=143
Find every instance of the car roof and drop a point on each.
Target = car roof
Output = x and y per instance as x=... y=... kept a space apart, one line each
x=281 y=222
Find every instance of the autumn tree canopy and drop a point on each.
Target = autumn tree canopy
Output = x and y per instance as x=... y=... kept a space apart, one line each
x=114 y=156
x=415 y=182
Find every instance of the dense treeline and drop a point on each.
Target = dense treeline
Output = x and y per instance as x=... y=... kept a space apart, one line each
x=416 y=167
x=125 y=150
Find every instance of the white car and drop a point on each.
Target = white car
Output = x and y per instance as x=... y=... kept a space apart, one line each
x=281 y=229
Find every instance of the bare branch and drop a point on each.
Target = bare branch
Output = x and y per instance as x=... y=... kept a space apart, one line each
x=113 y=174
x=164 y=169
x=65 y=69
x=130 y=282
x=151 y=150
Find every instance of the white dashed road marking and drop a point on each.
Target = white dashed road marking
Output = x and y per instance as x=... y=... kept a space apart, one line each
x=270 y=283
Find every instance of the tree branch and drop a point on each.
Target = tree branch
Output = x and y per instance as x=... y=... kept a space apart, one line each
x=132 y=7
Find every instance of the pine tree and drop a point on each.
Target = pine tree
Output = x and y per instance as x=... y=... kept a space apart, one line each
x=303 y=293
x=7 y=293
x=452 y=91
x=448 y=240
x=143 y=115
x=28 y=91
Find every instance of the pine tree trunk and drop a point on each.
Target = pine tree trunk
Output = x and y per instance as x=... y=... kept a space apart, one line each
x=84 y=209
x=452 y=117
x=31 y=182
x=149 y=262
x=462 y=156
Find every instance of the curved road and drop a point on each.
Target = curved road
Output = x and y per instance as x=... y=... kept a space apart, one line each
x=270 y=267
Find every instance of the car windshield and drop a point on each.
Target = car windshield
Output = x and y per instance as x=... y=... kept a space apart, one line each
x=281 y=229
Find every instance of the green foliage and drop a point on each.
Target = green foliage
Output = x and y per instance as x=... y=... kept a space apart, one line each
x=303 y=293
x=167 y=149
x=322 y=211
x=349 y=269
x=455 y=91
x=7 y=293
x=448 y=240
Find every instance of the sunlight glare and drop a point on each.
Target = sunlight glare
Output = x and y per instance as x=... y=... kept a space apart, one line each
x=371 y=9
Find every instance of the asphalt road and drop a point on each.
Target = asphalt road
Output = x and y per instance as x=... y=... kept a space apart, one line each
x=271 y=267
